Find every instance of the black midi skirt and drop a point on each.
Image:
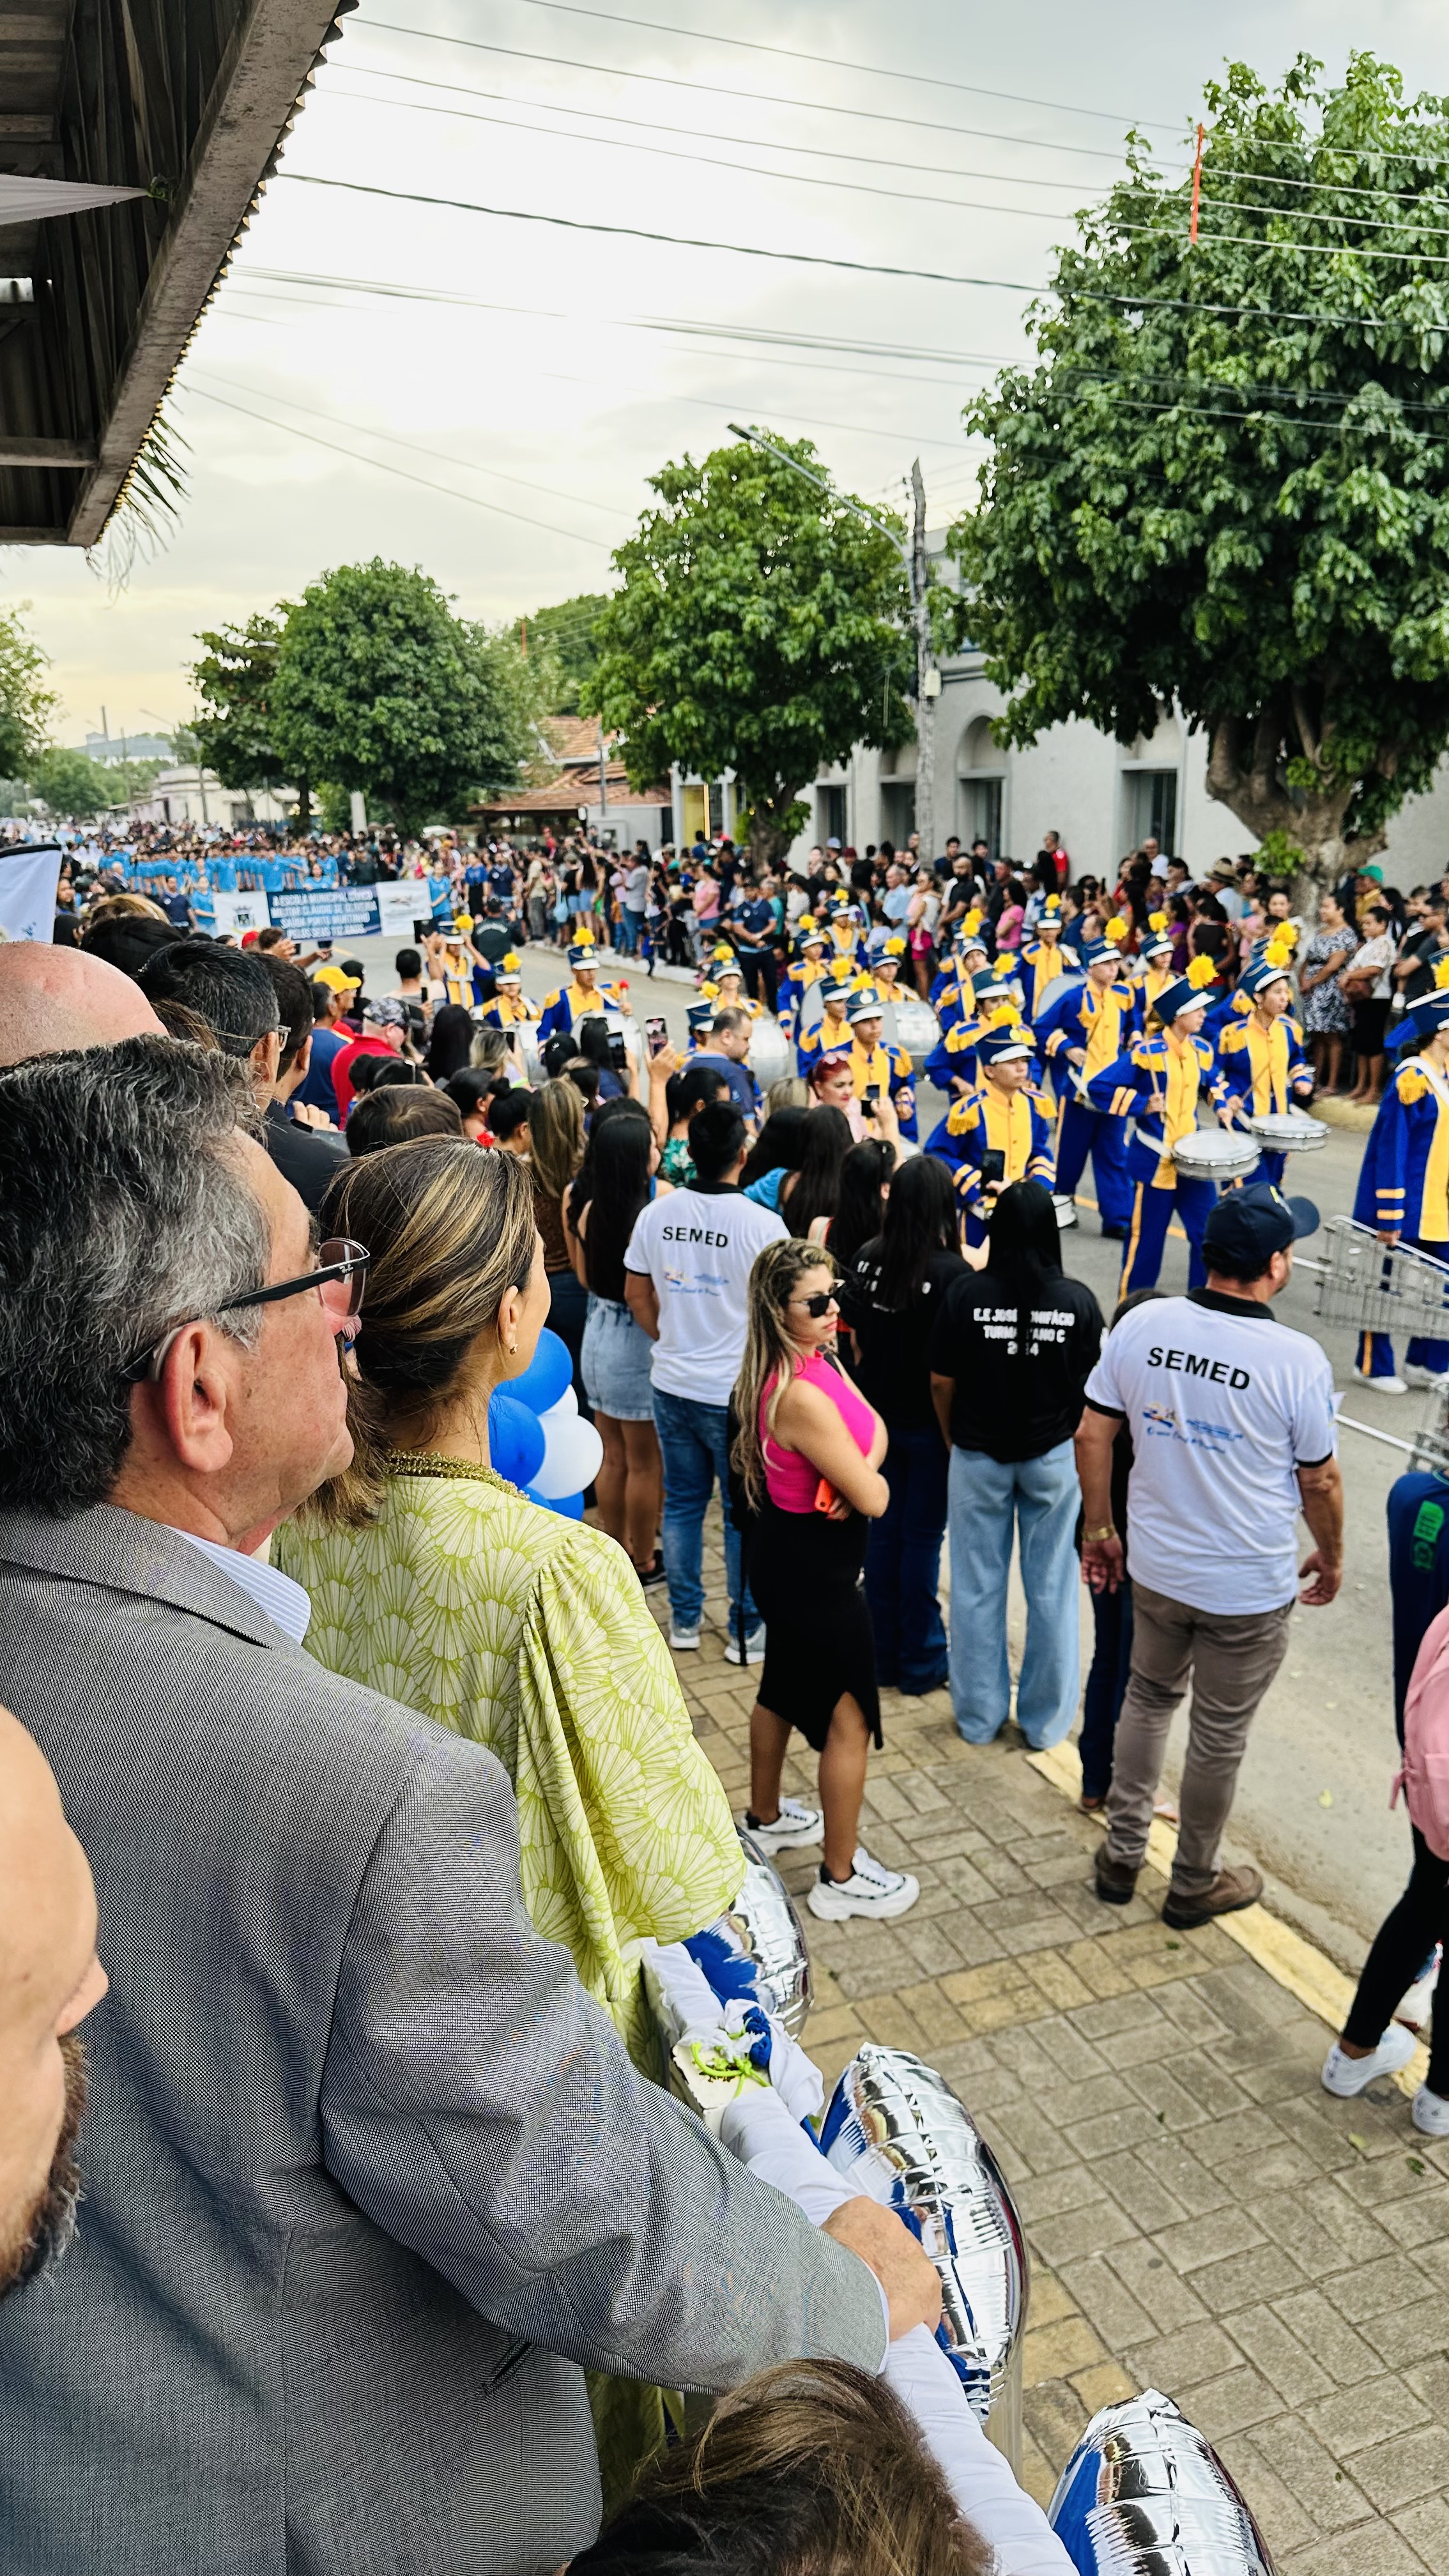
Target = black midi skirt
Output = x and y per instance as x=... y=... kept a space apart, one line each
x=804 y=1572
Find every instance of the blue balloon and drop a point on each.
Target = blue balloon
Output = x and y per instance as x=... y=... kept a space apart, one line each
x=570 y=1507
x=515 y=1438
x=547 y=1374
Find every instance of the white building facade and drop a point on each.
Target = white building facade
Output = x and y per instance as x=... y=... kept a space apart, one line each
x=1102 y=796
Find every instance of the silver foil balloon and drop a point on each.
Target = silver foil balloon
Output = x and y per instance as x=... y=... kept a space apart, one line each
x=1145 y=2494
x=896 y=2129
x=763 y=1923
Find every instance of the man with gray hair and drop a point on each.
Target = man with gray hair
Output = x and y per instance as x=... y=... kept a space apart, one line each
x=370 y=2179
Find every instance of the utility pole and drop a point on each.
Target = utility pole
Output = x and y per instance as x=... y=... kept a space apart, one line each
x=928 y=678
x=604 y=790
x=913 y=558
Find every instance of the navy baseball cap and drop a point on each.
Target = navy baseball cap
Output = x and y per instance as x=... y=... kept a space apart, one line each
x=1252 y=1224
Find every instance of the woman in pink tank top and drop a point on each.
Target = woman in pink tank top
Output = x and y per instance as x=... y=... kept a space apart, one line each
x=808 y=1451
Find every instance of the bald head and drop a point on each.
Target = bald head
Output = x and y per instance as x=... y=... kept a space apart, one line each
x=50 y=1977
x=52 y=999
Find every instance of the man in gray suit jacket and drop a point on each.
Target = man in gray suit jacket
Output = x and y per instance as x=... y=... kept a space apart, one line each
x=369 y=2178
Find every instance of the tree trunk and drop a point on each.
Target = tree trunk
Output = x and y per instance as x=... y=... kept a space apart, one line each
x=776 y=815
x=1248 y=781
x=304 y=805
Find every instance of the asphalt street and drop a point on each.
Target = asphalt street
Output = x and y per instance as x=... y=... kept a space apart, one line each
x=1313 y=1800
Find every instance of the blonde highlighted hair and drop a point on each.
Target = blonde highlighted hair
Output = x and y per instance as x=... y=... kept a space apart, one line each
x=770 y=1351
x=451 y=1229
x=556 y=1135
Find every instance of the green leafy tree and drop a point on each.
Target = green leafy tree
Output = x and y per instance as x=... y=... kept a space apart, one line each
x=565 y=638
x=70 y=783
x=26 y=704
x=380 y=687
x=761 y=627
x=232 y=730
x=1226 y=482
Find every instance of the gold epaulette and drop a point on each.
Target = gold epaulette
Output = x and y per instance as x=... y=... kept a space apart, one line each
x=1411 y=1084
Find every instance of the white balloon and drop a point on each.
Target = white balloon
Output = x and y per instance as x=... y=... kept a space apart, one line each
x=573 y=1455
x=564 y=1411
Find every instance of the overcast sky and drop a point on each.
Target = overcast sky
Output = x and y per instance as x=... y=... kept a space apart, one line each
x=525 y=367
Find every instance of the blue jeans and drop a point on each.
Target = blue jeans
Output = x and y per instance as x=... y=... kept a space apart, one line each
x=989 y=1502
x=903 y=1563
x=627 y=929
x=694 y=1444
x=1106 y=1687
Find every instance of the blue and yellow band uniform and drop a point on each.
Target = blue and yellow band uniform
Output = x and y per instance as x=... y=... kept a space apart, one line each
x=1102 y=1021
x=1158 y=1082
x=1403 y=1185
x=1267 y=1070
x=1016 y=1126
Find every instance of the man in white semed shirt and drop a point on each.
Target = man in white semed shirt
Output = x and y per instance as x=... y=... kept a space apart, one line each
x=686 y=1271
x=1231 y=1417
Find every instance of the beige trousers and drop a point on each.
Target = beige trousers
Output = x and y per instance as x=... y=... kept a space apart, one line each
x=1231 y=1661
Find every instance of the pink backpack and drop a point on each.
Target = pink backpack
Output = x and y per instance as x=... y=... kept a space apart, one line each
x=1424 y=1778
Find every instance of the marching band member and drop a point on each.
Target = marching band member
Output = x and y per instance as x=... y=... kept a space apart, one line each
x=831 y=1033
x=1002 y=1118
x=727 y=979
x=950 y=989
x=1155 y=959
x=951 y=1064
x=1403 y=1186
x=584 y=998
x=1042 y=962
x=1157 y=1081
x=510 y=1007
x=458 y=966
x=847 y=937
x=877 y=1067
x=887 y=969
x=809 y=968
x=1087 y=1026
x=1260 y=1056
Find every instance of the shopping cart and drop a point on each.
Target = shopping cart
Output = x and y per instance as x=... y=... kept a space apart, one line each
x=1375 y=1287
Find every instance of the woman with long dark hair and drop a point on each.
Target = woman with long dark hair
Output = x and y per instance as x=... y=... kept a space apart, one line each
x=775 y=1153
x=810 y=1196
x=890 y=1302
x=1010 y=1356
x=807 y=1453
x=865 y=1187
x=451 y=1044
x=616 y=1180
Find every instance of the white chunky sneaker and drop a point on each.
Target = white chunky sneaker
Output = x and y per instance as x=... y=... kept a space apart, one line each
x=870 y=1889
x=1430 y=2113
x=794 y=1827
x=1382 y=1385
x=753 y=1650
x=1416 y=1376
x=1347 y=2076
x=683 y=1641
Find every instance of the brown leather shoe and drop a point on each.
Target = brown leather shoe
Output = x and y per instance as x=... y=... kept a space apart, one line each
x=1230 y=1891
x=1116 y=1882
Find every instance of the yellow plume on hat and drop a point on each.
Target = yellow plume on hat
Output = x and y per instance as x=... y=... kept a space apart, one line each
x=971 y=924
x=709 y=992
x=1441 y=973
x=1005 y=1016
x=1115 y=929
x=1201 y=972
x=1278 y=953
x=508 y=964
x=583 y=937
x=1157 y=921
x=894 y=948
x=1051 y=907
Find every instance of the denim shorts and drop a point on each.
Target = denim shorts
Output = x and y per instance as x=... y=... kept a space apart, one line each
x=617 y=1359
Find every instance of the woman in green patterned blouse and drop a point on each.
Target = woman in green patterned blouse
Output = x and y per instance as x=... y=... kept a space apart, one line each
x=436 y=1582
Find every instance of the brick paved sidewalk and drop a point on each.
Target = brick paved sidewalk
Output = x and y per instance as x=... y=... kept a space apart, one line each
x=1202 y=2217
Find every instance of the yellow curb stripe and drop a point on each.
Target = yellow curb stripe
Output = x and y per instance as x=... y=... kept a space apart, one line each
x=1274 y=1946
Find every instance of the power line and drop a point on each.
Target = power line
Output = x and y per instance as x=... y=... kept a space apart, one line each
x=1261 y=241
x=669 y=323
x=876 y=71
x=636 y=232
x=701 y=160
x=649 y=125
x=380 y=466
x=751 y=97
x=436 y=454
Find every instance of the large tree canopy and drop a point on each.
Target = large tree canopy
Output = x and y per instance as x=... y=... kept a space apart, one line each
x=379 y=687
x=26 y=704
x=1227 y=481
x=233 y=679
x=761 y=627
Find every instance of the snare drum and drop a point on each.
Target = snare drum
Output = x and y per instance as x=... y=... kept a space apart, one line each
x=1288 y=1132
x=1216 y=1153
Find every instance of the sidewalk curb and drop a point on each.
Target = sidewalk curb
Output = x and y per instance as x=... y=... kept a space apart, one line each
x=1272 y=1945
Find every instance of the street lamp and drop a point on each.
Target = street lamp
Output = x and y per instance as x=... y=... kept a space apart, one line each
x=913 y=557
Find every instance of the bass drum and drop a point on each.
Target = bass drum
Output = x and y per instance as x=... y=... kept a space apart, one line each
x=770 y=1057
x=911 y=1023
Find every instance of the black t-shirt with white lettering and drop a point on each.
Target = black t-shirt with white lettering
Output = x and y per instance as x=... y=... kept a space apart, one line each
x=1020 y=1364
